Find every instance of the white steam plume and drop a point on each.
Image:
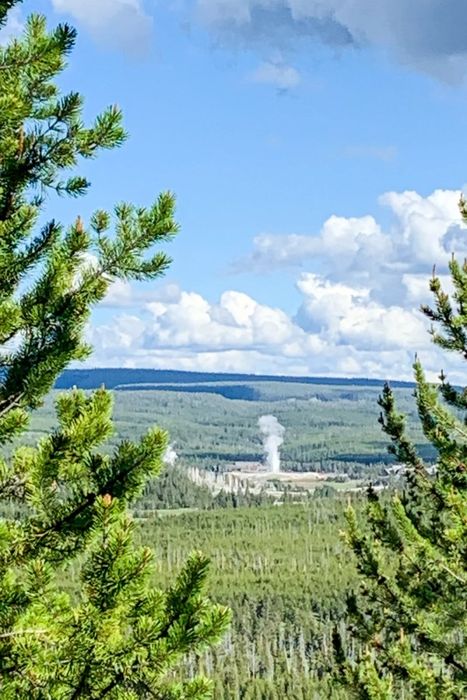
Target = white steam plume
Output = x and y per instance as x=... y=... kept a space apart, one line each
x=170 y=456
x=273 y=433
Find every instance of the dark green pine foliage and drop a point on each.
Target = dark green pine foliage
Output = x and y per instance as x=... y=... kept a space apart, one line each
x=410 y=615
x=114 y=636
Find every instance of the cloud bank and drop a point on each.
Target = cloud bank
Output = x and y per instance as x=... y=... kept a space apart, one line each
x=429 y=35
x=360 y=287
x=422 y=231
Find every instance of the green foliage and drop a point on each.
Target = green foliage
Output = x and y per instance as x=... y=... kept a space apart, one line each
x=65 y=500
x=283 y=572
x=411 y=551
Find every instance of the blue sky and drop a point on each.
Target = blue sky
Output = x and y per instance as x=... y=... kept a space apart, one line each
x=280 y=125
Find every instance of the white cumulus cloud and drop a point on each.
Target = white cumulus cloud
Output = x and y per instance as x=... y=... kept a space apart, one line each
x=358 y=314
x=122 y=24
x=347 y=316
x=423 y=231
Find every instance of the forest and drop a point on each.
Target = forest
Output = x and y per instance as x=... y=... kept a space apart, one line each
x=285 y=571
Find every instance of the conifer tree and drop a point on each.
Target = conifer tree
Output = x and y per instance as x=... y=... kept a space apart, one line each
x=410 y=615
x=109 y=635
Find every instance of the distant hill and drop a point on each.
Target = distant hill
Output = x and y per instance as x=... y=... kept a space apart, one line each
x=137 y=379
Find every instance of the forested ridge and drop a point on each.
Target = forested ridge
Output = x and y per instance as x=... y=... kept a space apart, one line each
x=118 y=377
x=327 y=428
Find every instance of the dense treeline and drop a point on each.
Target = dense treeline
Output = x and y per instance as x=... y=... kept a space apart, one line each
x=284 y=571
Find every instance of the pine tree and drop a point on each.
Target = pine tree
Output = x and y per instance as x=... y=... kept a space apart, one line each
x=410 y=615
x=78 y=615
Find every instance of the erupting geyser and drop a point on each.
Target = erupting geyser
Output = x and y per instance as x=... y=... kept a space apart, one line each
x=273 y=433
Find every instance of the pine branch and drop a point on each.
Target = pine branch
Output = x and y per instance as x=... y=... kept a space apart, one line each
x=71 y=496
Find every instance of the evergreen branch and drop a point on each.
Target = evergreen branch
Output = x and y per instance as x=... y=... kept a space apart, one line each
x=18 y=633
x=116 y=632
x=12 y=401
x=455 y=576
x=82 y=683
